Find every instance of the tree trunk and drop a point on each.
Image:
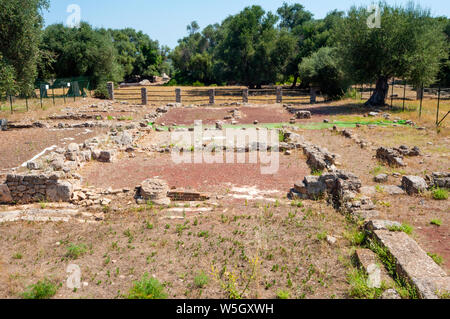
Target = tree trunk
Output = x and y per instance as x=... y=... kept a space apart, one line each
x=294 y=84
x=380 y=93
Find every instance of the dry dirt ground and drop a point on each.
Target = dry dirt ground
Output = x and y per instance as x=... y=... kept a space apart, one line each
x=248 y=240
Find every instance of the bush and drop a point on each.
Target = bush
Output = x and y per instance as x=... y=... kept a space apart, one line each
x=282 y=294
x=74 y=251
x=440 y=194
x=198 y=83
x=201 y=280
x=172 y=82
x=101 y=92
x=41 y=290
x=147 y=288
x=322 y=69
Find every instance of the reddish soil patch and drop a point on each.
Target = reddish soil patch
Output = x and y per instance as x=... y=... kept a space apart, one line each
x=129 y=172
x=263 y=114
x=187 y=116
x=435 y=240
x=266 y=114
x=19 y=146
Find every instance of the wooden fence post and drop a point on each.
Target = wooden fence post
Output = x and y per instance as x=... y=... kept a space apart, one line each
x=144 y=96
x=439 y=101
x=313 y=94
x=212 y=94
x=178 y=95
x=279 y=94
x=110 y=87
x=421 y=100
x=245 y=95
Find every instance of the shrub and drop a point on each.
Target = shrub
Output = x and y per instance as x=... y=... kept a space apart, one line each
x=201 y=280
x=172 y=82
x=74 y=251
x=41 y=290
x=198 y=83
x=322 y=69
x=282 y=294
x=439 y=194
x=436 y=222
x=147 y=288
x=101 y=92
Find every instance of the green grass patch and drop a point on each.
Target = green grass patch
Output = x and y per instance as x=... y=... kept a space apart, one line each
x=282 y=294
x=201 y=280
x=76 y=250
x=41 y=290
x=406 y=228
x=437 y=258
x=439 y=194
x=436 y=222
x=359 y=288
x=147 y=288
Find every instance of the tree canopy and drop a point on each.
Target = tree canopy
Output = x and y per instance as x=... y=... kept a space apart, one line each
x=409 y=44
x=20 y=30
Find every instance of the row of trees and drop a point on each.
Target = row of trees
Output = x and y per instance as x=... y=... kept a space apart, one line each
x=256 y=48
x=103 y=55
x=253 y=48
x=29 y=52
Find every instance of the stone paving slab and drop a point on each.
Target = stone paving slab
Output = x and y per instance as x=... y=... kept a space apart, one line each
x=413 y=263
x=367 y=259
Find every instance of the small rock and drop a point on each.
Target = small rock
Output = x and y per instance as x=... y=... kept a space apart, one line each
x=390 y=294
x=73 y=147
x=381 y=178
x=414 y=184
x=331 y=240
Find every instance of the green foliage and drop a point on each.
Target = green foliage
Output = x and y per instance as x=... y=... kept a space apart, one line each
x=355 y=236
x=282 y=294
x=147 y=288
x=409 y=44
x=437 y=259
x=7 y=78
x=41 y=290
x=321 y=236
x=439 y=194
x=82 y=51
x=406 y=228
x=138 y=55
x=201 y=280
x=74 y=251
x=101 y=92
x=436 y=222
x=359 y=288
x=20 y=31
x=322 y=69
x=403 y=287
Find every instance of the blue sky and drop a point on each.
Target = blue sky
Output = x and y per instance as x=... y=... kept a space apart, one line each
x=166 y=21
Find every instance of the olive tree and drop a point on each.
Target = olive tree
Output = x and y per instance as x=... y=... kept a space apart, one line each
x=408 y=44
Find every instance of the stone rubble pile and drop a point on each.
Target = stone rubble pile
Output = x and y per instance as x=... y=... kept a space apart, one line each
x=153 y=116
x=153 y=190
x=438 y=179
x=394 y=156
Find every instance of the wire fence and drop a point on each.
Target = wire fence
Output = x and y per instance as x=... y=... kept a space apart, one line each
x=46 y=94
x=407 y=95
